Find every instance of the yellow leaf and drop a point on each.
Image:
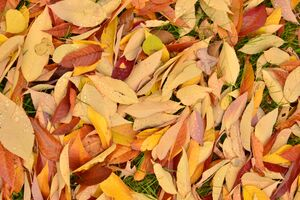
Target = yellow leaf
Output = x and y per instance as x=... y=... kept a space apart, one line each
x=15 y=21
x=84 y=69
x=146 y=133
x=108 y=37
x=275 y=157
x=25 y=12
x=164 y=178
x=98 y=159
x=114 y=187
x=3 y=38
x=209 y=135
x=88 y=42
x=274 y=17
x=258 y=95
x=218 y=181
x=183 y=176
x=151 y=141
x=101 y=126
x=193 y=81
x=123 y=134
x=249 y=191
x=42 y=179
x=65 y=169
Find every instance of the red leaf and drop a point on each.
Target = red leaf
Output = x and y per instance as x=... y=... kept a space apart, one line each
x=243 y=170
x=6 y=167
x=66 y=128
x=292 y=154
x=253 y=19
x=82 y=57
x=289 y=178
x=275 y=168
x=49 y=146
x=122 y=69
x=92 y=176
x=268 y=146
x=177 y=47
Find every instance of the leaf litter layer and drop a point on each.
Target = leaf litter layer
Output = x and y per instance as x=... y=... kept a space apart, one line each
x=149 y=99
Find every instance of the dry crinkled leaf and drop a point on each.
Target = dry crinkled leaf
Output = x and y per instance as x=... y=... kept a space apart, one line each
x=35 y=37
x=116 y=90
x=164 y=178
x=229 y=64
x=291 y=88
x=261 y=43
x=84 y=13
x=264 y=127
x=15 y=124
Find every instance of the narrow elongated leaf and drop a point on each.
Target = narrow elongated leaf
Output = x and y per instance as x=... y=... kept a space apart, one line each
x=6 y=169
x=234 y=111
x=229 y=64
x=291 y=88
x=261 y=43
x=183 y=176
x=218 y=180
x=34 y=56
x=245 y=125
x=49 y=146
x=264 y=127
x=116 y=90
x=82 y=57
x=164 y=178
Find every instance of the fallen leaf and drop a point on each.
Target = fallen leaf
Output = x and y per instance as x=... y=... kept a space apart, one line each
x=15 y=21
x=248 y=79
x=253 y=19
x=81 y=13
x=291 y=91
x=83 y=57
x=114 y=187
x=261 y=43
x=286 y=9
x=229 y=64
x=15 y=123
x=35 y=37
x=164 y=179
x=217 y=181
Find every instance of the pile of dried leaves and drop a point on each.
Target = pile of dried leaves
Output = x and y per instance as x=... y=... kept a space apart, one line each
x=149 y=99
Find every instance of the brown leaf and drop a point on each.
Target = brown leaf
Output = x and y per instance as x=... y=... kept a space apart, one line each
x=289 y=122
x=92 y=144
x=248 y=79
x=60 y=30
x=82 y=57
x=64 y=129
x=65 y=105
x=92 y=176
x=49 y=146
x=126 y=19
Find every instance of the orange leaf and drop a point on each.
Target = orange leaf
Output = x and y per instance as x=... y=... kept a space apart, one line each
x=43 y=180
x=121 y=154
x=248 y=79
x=49 y=146
x=180 y=141
x=83 y=57
x=6 y=167
x=66 y=128
x=144 y=167
x=77 y=153
x=257 y=149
